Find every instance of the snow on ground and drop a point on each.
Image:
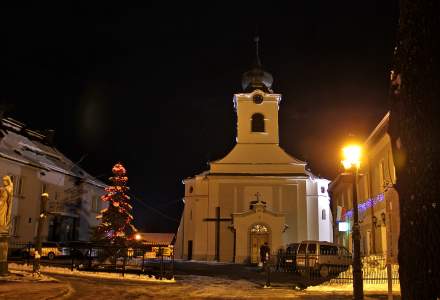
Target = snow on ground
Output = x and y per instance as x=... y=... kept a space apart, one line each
x=66 y=271
x=25 y=276
x=370 y=287
x=87 y=285
x=209 y=262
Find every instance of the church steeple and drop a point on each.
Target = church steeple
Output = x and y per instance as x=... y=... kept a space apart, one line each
x=257 y=78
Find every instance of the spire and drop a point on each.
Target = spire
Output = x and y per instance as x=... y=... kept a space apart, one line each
x=257 y=78
x=257 y=51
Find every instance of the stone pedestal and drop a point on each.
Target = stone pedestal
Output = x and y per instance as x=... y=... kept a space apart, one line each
x=3 y=255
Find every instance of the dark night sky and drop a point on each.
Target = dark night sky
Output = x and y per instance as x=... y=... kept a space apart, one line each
x=152 y=86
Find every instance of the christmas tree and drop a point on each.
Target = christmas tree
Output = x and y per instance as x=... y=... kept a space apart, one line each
x=116 y=220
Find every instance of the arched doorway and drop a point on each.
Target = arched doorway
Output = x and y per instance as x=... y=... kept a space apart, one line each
x=259 y=234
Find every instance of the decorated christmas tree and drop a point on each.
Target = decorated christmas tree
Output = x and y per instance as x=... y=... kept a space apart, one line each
x=116 y=220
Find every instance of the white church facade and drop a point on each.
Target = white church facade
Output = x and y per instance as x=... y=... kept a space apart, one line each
x=257 y=193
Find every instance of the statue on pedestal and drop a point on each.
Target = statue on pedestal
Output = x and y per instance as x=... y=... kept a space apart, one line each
x=5 y=205
x=5 y=220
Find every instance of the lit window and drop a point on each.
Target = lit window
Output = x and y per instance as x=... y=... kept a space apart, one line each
x=257 y=124
x=43 y=188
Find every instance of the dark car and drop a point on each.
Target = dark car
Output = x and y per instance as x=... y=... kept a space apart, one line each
x=80 y=249
x=287 y=258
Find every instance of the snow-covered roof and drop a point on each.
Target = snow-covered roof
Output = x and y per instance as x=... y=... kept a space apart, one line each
x=258 y=159
x=156 y=238
x=30 y=147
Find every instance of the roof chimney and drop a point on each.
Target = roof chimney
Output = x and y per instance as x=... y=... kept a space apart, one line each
x=49 y=137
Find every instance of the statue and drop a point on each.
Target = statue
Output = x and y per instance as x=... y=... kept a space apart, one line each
x=5 y=205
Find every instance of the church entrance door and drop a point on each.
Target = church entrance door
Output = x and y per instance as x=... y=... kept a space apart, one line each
x=259 y=235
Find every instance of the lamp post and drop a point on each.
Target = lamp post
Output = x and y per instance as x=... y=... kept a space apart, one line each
x=43 y=213
x=351 y=163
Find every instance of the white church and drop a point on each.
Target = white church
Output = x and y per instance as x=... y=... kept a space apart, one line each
x=257 y=193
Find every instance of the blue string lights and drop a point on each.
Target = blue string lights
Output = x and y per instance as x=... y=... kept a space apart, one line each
x=362 y=207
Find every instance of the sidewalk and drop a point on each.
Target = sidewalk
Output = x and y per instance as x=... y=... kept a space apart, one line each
x=22 y=285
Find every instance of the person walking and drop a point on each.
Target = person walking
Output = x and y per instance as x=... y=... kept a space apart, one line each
x=265 y=259
x=264 y=252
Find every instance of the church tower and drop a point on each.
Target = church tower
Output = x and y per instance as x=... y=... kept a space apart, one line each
x=257 y=150
x=257 y=108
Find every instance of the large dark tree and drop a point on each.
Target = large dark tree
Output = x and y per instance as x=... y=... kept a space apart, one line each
x=415 y=120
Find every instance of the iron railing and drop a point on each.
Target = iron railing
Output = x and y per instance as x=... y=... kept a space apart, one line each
x=148 y=260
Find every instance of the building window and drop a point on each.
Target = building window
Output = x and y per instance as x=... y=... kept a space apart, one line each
x=191 y=189
x=15 y=223
x=381 y=176
x=43 y=188
x=324 y=214
x=322 y=189
x=96 y=204
x=257 y=124
x=190 y=214
x=19 y=189
x=17 y=181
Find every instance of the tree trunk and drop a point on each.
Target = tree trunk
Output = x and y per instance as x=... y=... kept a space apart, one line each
x=414 y=125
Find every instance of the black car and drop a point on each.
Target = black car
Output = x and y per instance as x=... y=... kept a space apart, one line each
x=286 y=260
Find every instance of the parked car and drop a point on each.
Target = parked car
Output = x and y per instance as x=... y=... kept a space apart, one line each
x=48 y=249
x=286 y=259
x=323 y=257
x=81 y=249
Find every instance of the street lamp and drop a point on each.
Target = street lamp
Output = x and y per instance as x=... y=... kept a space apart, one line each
x=352 y=163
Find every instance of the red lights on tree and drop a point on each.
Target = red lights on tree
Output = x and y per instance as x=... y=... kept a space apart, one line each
x=116 y=220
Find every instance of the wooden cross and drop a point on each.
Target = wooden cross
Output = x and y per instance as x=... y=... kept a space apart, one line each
x=217 y=221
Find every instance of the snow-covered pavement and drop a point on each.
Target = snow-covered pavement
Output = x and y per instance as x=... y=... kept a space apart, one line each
x=189 y=287
x=64 y=284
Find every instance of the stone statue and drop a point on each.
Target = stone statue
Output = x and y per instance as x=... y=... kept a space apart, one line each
x=5 y=204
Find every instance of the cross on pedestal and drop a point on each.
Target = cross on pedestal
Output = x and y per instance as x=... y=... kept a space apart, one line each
x=217 y=221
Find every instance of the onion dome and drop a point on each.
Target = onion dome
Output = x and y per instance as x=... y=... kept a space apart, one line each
x=257 y=78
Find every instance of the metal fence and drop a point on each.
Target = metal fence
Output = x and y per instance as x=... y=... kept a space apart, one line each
x=374 y=269
x=157 y=261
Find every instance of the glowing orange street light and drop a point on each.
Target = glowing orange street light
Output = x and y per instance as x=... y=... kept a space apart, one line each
x=137 y=237
x=352 y=162
x=352 y=156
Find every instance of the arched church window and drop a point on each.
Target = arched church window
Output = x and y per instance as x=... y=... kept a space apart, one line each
x=258 y=228
x=257 y=124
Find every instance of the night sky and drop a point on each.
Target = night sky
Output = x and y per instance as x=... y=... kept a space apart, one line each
x=152 y=86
